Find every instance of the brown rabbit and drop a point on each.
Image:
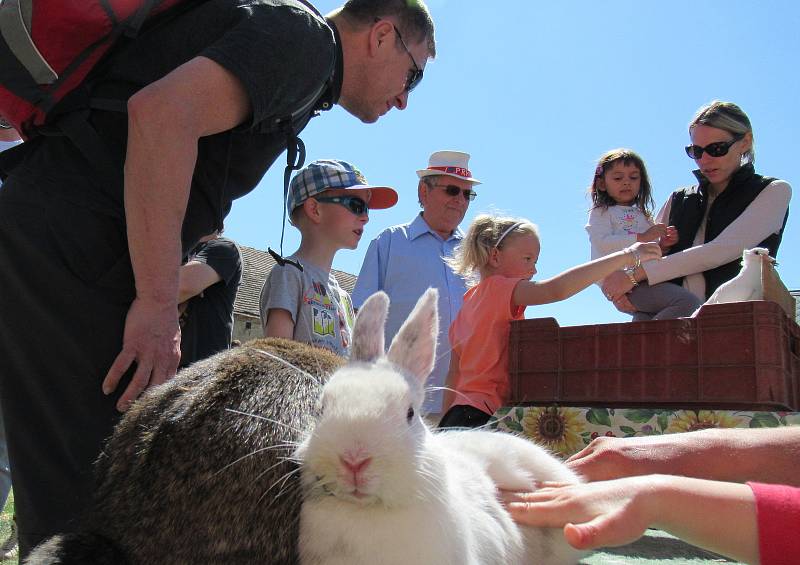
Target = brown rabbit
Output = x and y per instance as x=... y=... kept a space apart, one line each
x=199 y=469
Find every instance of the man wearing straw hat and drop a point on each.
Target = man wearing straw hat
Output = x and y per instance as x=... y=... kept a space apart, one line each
x=407 y=259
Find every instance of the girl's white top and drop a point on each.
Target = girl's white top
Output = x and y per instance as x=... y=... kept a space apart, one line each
x=614 y=228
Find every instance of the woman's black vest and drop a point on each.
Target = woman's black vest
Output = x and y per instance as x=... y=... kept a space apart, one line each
x=689 y=206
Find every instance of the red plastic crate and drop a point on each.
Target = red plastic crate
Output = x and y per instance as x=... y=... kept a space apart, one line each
x=741 y=356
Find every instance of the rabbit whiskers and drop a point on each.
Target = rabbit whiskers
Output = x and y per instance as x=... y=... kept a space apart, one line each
x=285 y=362
x=270 y=420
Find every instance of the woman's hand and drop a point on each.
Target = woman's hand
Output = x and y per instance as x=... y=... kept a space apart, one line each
x=624 y=305
x=616 y=285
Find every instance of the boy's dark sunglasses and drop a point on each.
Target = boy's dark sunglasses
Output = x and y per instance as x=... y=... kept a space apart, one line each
x=453 y=190
x=353 y=203
x=717 y=149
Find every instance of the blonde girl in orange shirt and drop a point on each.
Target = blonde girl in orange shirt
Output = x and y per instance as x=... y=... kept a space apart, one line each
x=498 y=257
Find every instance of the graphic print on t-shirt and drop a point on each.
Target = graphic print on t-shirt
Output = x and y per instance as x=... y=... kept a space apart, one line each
x=323 y=310
x=628 y=221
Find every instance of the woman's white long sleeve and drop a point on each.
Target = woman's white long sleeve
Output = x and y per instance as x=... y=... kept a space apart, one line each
x=764 y=216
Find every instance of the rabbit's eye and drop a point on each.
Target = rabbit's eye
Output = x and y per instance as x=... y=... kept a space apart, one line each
x=410 y=414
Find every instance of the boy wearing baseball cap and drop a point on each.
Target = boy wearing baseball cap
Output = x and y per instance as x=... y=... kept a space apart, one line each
x=329 y=202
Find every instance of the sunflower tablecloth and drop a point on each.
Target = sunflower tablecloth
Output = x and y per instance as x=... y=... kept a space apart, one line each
x=567 y=430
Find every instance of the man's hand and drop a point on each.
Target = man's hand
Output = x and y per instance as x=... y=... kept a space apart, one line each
x=613 y=458
x=152 y=340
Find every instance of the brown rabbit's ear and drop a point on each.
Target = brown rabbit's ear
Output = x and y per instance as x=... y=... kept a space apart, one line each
x=368 y=341
x=414 y=346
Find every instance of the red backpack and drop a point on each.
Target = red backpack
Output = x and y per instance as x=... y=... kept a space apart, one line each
x=48 y=47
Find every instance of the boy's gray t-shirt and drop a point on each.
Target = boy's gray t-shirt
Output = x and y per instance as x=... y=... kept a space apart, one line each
x=321 y=311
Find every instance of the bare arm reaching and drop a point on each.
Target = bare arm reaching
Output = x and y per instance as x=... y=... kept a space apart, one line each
x=577 y=278
x=715 y=515
x=735 y=455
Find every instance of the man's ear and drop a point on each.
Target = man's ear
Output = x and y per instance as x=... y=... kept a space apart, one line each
x=380 y=33
x=422 y=193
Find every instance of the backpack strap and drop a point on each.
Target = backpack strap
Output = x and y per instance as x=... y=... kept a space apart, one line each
x=295 y=158
x=75 y=125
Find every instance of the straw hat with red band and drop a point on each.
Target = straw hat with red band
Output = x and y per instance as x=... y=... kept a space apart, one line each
x=450 y=163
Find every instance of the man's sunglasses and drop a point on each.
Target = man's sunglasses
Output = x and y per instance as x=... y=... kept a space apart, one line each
x=453 y=190
x=717 y=149
x=414 y=76
x=353 y=203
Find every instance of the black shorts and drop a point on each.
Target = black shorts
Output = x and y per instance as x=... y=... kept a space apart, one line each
x=463 y=416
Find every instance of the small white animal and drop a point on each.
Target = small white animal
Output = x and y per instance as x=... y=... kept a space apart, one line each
x=747 y=284
x=381 y=489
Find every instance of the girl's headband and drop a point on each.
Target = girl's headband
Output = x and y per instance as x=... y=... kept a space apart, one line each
x=509 y=230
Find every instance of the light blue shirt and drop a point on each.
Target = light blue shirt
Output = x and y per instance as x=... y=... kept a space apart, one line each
x=404 y=261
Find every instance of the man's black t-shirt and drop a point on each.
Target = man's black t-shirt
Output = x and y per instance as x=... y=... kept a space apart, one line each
x=282 y=52
x=207 y=322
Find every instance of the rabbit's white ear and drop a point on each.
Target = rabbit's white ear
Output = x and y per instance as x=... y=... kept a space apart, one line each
x=414 y=346
x=368 y=339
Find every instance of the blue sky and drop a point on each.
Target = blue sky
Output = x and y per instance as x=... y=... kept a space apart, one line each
x=536 y=91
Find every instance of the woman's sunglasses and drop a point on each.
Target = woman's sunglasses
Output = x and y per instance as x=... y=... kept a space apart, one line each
x=717 y=149
x=453 y=190
x=353 y=203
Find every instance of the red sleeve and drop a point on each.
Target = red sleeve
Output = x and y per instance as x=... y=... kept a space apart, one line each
x=778 y=515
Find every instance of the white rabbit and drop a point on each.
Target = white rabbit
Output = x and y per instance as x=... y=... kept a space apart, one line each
x=381 y=489
x=747 y=284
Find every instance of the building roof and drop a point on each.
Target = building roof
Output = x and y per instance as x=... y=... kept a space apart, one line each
x=256 y=266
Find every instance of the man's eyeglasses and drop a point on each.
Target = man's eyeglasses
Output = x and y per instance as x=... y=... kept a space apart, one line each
x=717 y=149
x=454 y=190
x=414 y=76
x=353 y=203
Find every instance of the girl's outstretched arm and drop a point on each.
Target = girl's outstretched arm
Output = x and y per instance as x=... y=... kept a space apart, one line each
x=714 y=515
x=574 y=280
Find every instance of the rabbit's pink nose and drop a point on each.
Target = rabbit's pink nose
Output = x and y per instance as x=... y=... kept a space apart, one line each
x=355 y=465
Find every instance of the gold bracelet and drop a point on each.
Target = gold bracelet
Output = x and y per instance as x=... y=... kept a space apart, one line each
x=631 y=277
x=637 y=259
